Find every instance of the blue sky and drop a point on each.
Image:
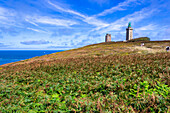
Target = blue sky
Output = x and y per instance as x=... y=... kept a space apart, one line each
x=67 y=24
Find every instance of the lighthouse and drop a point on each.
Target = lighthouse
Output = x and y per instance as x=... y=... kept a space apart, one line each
x=129 y=32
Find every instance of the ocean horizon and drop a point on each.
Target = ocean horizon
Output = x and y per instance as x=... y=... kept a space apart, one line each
x=9 y=56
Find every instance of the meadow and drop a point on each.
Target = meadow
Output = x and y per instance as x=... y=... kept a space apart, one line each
x=104 y=83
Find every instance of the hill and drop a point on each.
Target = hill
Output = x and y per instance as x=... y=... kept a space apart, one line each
x=103 y=49
x=120 y=77
x=140 y=39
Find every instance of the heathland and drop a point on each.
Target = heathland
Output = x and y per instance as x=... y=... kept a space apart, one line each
x=105 y=77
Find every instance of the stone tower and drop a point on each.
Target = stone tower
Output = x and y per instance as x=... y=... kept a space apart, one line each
x=129 y=32
x=108 y=38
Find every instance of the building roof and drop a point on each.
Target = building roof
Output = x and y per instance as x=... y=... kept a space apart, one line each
x=129 y=25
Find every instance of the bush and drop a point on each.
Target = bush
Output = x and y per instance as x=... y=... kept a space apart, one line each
x=140 y=39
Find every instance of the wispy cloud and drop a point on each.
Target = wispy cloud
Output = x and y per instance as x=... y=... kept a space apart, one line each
x=57 y=22
x=3 y=45
x=9 y=17
x=87 y=19
x=50 y=21
x=154 y=32
x=55 y=47
x=65 y=10
x=147 y=27
x=121 y=6
x=36 y=30
x=35 y=42
x=6 y=14
x=2 y=13
x=31 y=22
x=63 y=32
x=94 y=21
x=72 y=26
x=135 y=17
x=9 y=30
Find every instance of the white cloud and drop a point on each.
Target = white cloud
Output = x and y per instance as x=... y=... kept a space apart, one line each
x=135 y=17
x=31 y=22
x=36 y=30
x=57 y=22
x=119 y=7
x=65 y=10
x=7 y=17
x=3 y=18
x=94 y=21
x=87 y=19
x=51 y=21
x=147 y=27
x=3 y=11
x=33 y=42
x=6 y=12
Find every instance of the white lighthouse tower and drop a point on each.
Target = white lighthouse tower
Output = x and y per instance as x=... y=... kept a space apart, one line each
x=129 y=32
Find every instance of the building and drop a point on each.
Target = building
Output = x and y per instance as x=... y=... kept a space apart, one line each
x=129 y=32
x=108 y=38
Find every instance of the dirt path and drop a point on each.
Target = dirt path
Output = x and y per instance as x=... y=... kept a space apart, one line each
x=148 y=50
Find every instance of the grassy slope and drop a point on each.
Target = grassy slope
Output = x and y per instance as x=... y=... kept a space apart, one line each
x=123 y=77
x=103 y=49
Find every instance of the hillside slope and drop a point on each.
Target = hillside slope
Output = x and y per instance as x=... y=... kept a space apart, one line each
x=106 y=77
x=103 y=49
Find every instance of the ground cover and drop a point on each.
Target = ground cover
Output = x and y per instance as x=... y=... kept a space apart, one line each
x=120 y=83
x=103 y=49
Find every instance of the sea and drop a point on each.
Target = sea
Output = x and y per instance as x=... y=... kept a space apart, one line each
x=8 y=56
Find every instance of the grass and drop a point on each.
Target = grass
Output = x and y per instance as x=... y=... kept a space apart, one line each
x=94 y=50
x=121 y=82
x=140 y=39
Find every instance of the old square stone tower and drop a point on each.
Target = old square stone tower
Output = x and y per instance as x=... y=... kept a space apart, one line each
x=108 y=38
x=129 y=32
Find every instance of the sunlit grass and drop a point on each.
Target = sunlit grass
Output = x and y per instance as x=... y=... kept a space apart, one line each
x=120 y=83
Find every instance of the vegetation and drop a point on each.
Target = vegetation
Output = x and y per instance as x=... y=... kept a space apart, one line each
x=119 y=83
x=103 y=49
x=140 y=39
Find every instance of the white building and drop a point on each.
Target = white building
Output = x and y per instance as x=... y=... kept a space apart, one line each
x=129 y=32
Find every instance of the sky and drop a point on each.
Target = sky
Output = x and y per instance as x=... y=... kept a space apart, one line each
x=68 y=24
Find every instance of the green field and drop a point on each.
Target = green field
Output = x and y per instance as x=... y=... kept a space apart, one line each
x=107 y=77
